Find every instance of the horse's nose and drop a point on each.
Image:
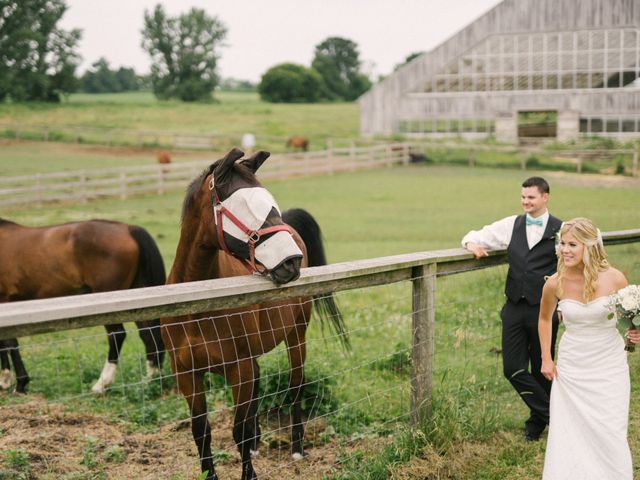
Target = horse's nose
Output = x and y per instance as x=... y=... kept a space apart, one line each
x=287 y=271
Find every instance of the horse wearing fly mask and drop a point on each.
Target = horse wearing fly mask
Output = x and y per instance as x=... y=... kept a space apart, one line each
x=231 y=225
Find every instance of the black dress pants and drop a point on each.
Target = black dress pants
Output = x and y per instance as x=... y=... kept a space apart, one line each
x=521 y=359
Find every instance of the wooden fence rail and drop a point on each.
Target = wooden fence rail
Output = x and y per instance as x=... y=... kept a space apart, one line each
x=84 y=185
x=19 y=319
x=576 y=156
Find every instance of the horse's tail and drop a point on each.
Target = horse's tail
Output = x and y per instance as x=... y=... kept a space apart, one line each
x=150 y=264
x=150 y=273
x=326 y=306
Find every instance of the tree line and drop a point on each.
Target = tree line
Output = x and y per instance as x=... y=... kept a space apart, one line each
x=39 y=60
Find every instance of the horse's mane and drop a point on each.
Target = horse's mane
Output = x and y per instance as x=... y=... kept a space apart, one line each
x=194 y=188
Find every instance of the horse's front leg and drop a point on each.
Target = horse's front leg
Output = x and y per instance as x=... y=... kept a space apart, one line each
x=116 y=335
x=22 y=377
x=5 y=366
x=242 y=378
x=191 y=386
x=153 y=344
x=297 y=351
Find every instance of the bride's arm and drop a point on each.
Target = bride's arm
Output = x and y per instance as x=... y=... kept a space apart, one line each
x=547 y=306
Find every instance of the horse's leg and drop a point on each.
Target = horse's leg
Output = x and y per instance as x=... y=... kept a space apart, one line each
x=191 y=385
x=297 y=352
x=242 y=377
x=149 y=332
x=5 y=366
x=22 y=378
x=116 y=335
x=256 y=420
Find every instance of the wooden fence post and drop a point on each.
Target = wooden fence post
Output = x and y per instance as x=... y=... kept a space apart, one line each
x=423 y=316
x=330 y=157
x=472 y=158
x=634 y=161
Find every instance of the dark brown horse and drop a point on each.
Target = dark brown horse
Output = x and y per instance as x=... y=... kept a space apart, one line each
x=72 y=258
x=298 y=142
x=231 y=223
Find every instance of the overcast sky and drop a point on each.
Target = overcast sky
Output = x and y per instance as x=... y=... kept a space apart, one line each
x=264 y=33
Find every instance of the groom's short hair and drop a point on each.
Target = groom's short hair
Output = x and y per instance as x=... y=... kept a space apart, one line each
x=539 y=182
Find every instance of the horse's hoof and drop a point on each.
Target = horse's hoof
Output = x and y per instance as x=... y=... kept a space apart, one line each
x=152 y=370
x=98 y=389
x=5 y=379
x=297 y=457
x=254 y=453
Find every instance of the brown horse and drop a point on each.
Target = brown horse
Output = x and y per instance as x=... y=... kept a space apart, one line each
x=298 y=142
x=230 y=223
x=72 y=258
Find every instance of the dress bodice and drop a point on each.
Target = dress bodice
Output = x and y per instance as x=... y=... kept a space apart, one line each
x=589 y=317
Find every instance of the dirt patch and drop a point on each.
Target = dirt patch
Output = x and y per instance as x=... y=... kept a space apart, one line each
x=60 y=443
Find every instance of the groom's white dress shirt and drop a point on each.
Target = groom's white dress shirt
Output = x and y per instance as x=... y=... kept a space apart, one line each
x=497 y=235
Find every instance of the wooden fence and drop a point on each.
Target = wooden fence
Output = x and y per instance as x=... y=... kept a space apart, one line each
x=84 y=185
x=575 y=156
x=24 y=318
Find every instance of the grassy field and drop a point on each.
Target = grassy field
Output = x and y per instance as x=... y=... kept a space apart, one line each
x=232 y=113
x=228 y=118
x=361 y=397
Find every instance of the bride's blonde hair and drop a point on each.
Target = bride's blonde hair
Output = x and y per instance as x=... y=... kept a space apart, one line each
x=594 y=257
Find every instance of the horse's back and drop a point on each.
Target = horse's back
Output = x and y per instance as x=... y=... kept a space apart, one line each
x=66 y=259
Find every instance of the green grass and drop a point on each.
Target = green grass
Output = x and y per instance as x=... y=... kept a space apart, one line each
x=234 y=113
x=363 y=215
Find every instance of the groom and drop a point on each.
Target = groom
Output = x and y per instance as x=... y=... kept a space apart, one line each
x=530 y=243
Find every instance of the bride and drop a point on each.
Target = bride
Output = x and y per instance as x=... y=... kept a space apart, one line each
x=589 y=408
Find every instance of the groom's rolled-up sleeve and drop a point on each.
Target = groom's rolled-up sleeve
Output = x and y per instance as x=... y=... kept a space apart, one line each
x=495 y=236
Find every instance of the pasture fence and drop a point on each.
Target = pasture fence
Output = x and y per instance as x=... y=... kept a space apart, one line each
x=18 y=319
x=529 y=156
x=425 y=348
x=82 y=186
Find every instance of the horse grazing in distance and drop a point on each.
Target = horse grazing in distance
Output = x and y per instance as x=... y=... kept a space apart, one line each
x=230 y=225
x=164 y=159
x=298 y=143
x=72 y=258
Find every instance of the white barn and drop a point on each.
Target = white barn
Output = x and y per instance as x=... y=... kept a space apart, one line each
x=578 y=59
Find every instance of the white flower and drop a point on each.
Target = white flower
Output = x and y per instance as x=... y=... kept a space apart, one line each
x=629 y=302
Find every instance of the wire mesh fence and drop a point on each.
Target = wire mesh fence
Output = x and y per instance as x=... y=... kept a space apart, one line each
x=354 y=401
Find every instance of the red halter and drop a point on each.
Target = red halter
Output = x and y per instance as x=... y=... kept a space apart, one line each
x=254 y=235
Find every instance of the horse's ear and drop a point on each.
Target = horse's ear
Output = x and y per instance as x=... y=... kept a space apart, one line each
x=254 y=161
x=226 y=164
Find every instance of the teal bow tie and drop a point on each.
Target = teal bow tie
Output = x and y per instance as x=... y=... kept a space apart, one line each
x=534 y=221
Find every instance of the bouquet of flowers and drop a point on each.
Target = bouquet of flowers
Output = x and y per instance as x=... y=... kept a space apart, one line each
x=625 y=306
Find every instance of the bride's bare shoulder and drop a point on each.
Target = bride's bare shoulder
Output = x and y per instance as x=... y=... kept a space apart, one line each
x=551 y=282
x=616 y=277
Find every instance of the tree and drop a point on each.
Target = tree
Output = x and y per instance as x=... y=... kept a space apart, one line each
x=101 y=79
x=183 y=53
x=291 y=83
x=337 y=61
x=409 y=57
x=37 y=59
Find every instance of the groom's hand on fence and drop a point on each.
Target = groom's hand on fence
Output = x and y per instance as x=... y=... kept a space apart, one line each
x=478 y=250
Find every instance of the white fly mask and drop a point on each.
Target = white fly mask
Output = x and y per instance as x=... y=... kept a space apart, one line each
x=257 y=215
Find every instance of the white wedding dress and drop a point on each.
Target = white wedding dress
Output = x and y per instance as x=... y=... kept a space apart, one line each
x=589 y=398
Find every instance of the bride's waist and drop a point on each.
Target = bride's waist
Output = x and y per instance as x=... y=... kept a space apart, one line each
x=581 y=331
